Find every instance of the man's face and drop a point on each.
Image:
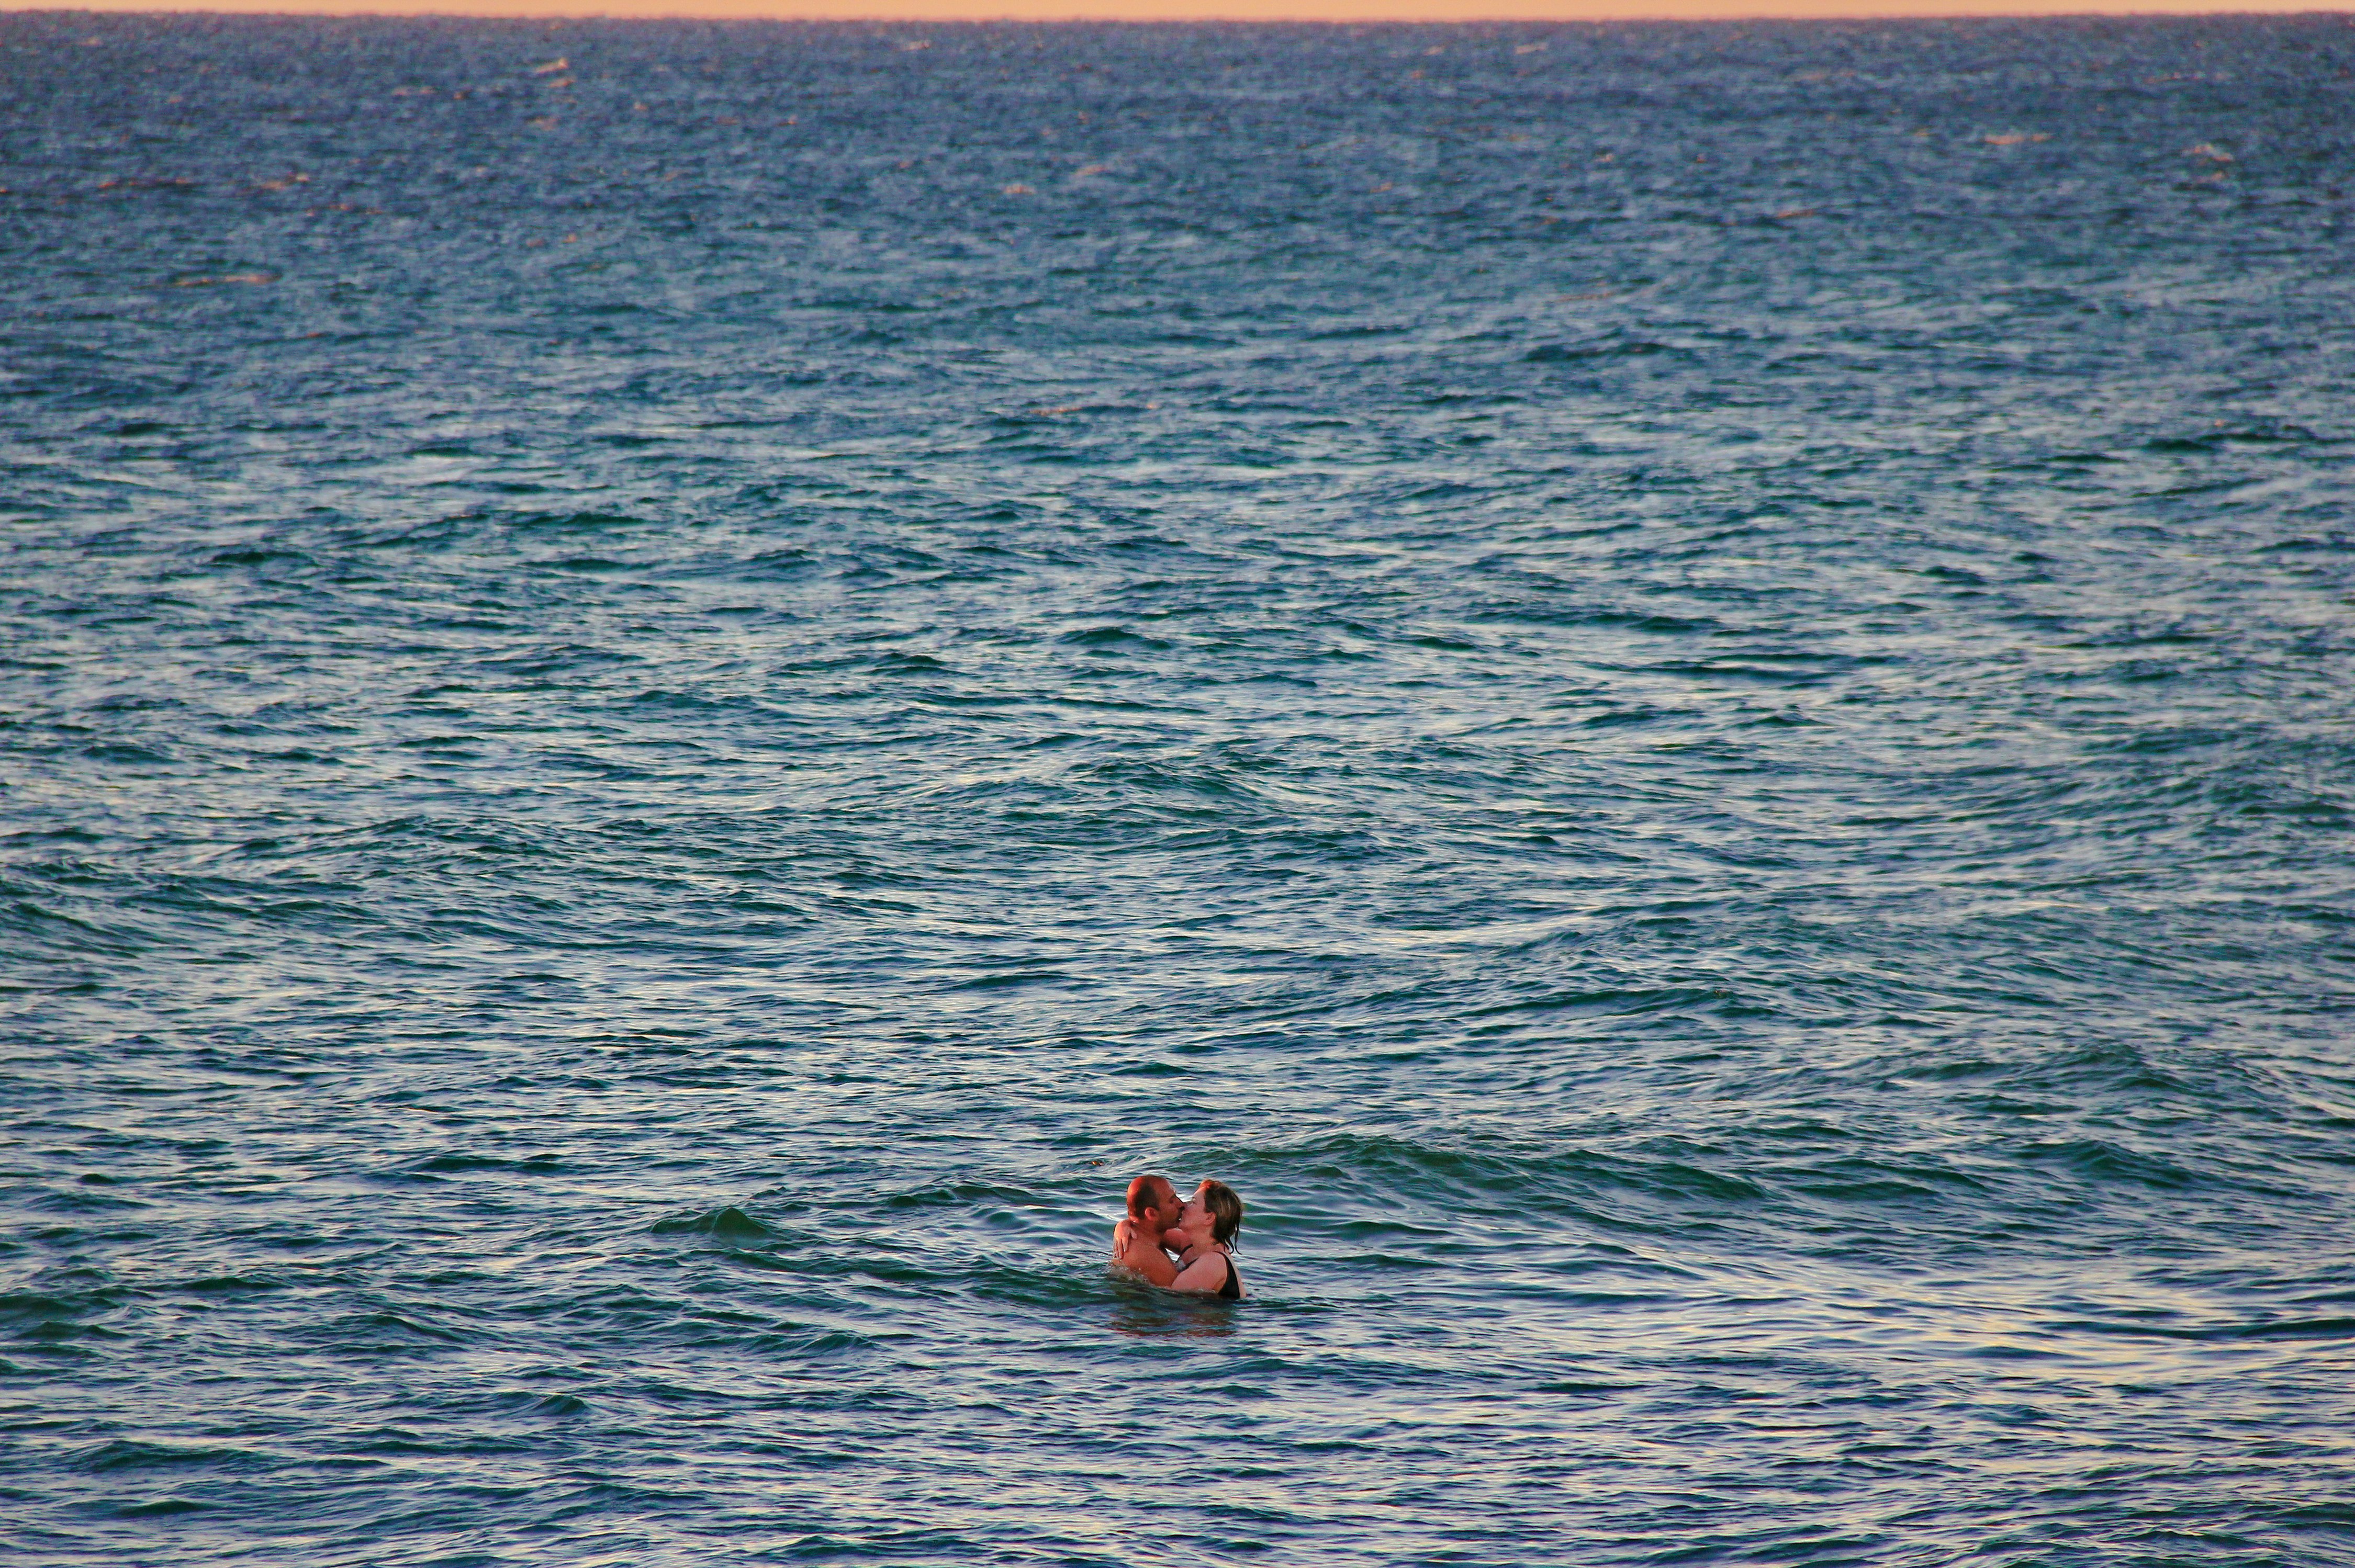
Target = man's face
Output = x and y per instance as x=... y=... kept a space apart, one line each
x=1161 y=1210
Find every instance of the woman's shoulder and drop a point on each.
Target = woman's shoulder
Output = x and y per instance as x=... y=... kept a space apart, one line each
x=1207 y=1269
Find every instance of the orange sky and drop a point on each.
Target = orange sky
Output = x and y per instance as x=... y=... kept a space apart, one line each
x=1189 y=10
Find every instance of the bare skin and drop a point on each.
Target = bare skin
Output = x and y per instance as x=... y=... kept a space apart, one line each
x=1137 y=1241
x=1202 y=1269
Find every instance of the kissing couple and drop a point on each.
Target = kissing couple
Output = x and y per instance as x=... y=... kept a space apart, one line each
x=1200 y=1232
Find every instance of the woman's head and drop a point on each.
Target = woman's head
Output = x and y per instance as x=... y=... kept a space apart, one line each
x=1213 y=1214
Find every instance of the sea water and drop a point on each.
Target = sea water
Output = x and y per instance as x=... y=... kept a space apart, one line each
x=671 y=691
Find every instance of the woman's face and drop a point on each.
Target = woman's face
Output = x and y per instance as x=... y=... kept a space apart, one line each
x=1194 y=1220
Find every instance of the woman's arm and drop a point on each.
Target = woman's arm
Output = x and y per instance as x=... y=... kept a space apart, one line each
x=1205 y=1273
x=1134 y=1251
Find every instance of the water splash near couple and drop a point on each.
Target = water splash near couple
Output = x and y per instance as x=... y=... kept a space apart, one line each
x=1187 y=1246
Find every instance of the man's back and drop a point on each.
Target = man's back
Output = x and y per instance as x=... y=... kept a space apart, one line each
x=1136 y=1241
x=1131 y=1250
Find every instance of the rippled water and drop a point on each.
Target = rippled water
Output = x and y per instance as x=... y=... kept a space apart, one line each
x=671 y=691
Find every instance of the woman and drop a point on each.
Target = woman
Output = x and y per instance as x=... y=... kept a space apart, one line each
x=1205 y=1229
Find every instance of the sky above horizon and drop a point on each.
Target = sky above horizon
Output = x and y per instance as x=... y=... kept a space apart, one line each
x=1527 y=11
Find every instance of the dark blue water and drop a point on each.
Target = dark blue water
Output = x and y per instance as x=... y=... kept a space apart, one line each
x=669 y=692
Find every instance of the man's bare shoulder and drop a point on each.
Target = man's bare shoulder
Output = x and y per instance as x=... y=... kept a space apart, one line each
x=1135 y=1254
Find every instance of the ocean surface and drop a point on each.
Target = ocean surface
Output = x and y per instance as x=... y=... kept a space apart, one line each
x=669 y=692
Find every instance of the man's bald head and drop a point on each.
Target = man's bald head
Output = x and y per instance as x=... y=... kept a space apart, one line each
x=1154 y=1193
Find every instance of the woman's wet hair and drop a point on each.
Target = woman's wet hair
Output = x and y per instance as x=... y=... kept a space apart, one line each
x=1226 y=1211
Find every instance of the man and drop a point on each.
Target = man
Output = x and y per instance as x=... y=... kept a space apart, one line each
x=1136 y=1241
